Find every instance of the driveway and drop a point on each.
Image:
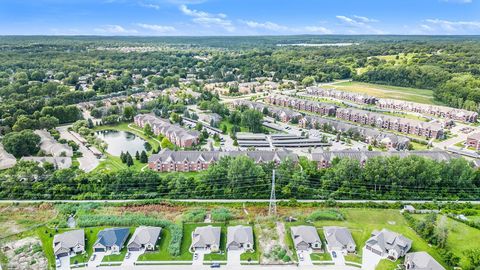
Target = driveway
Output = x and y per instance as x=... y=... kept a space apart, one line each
x=199 y=259
x=233 y=257
x=369 y=259
x=65 y=263
x=98 y=259
x=133 y=257
x=304 y=257
x=88 y=161
x=338 y=259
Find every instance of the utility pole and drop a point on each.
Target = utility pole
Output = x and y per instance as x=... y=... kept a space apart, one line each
x=272 y=208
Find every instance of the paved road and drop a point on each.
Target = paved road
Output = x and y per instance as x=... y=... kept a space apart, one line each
x=88 y=161
x=234 y=201
x=243 y=267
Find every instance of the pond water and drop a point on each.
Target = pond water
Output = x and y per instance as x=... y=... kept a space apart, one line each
x=125 y=141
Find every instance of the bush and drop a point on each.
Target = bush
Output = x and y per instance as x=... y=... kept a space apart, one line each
x=195 y=215
x=221 y=214
x=325 y=215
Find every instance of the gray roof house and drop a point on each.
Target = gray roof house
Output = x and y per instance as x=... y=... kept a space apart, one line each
x=206 y=238
x=388 y=244
x=239 y=237
x=51 y=147
x=69 y=243
x=144 y=238
x=339 y=239
x=7 y=160
x=305 y=237
x=421 y=261
x=111 y=239
x=58 y=162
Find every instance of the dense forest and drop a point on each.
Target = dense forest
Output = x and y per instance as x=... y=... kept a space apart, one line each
x=380 y=178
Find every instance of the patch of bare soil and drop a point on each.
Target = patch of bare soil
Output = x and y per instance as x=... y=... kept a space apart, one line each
x=25 y=254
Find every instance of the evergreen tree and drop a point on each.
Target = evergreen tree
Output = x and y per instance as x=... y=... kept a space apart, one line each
x=137 y=156
x=129 y=160
x=143 y=157
x=123 y=157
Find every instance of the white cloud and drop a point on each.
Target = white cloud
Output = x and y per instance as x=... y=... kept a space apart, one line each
x=157 y=28
x=359 y=24
x=453 y=26
x=266 y=25
x=364 y=19
x=114 y=29
x=208 y=19
x=458 y=1
x=149 y=5
x=275 y=27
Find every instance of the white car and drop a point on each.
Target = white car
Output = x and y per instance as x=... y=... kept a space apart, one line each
x=300 y=256
x=58 y=263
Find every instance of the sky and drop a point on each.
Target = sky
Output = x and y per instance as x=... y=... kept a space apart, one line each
x=238 y=17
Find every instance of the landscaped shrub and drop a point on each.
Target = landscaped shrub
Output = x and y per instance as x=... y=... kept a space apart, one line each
x=221 y=214
x=136 y=220
x=325 y=215
x=194 y=215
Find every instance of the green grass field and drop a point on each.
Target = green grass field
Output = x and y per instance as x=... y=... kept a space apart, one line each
x=387 y=91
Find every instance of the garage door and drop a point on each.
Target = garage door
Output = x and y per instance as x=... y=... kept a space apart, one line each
x=62 y=254
x=133 y=249
x=99 y=250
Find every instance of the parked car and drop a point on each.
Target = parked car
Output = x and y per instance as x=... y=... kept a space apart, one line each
x=127 y=255
x=300 y=256
x=215 y=265
x=334 y=254
x=195 y=256
x=93 y=257
x=58 y=263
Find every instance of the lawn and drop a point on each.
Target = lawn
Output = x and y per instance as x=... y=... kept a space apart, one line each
x=362 y=222
x=387 y=91
x=461 y=237
x=388 y=265
x=321 y=256
x=119 y=257
x=255 y=255
x=113 y=163
x=133 y=129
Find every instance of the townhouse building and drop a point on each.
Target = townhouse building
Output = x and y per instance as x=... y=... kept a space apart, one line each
x=302 y=104
x=283 y=114
x=192 y=161
x=333 y=93
x=407 y=126
x=173 y=132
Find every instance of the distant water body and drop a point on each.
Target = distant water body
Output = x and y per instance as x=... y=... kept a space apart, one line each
x=318 y=44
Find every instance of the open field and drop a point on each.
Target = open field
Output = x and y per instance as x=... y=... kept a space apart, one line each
x=387 y=91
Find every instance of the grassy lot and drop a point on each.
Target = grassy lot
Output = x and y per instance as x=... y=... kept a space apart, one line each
x=362 y=222
x=387 y=91
x=353 y=258
x=324 y=256
x=222 y=256
x=461 y=237
x=113 y=163
x=418 y=146
x=388 y=265
x=161 y=253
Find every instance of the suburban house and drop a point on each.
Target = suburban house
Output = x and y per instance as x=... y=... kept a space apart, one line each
x=51 y=147
x=144 y=238
x=7 y=160
x=206 y=238
x=191 y=161
x=324 y=158
x=473 y=140
x=366 y=134
x=173 y=132
x=305 y=238
x=421 y=261
x=111 y=239
x=339 y=239
x=69 y=243
x=240 y=237
x=58 y=162
x=388 y=244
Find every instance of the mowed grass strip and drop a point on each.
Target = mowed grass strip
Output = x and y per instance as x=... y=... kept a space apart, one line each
x=387 y=91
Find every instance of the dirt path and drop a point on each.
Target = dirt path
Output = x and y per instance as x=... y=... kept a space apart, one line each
x=281 y=234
